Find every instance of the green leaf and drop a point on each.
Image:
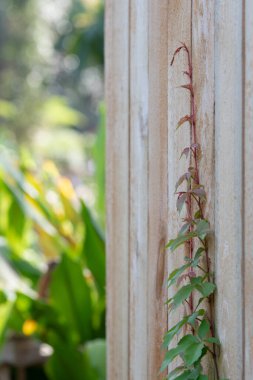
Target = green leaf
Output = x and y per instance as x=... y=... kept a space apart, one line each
x=180 y=239
x=182 y=295
x=94 y=249
x=204 y=328
x=177 y=273
x=175 y=372
x=68 y=362
x=202 y=377
x=177 y=328
x=202 y=228
x=5 y=314
x=96 y=352
x=70 y=295
x=197 y=256
x=169 y=357
x=193 y=353
x=206 y=288
x=212 y=340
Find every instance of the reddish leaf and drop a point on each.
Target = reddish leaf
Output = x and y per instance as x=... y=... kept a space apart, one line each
x=195 y=145
x=180 y=181
x=183 y=120
x=185 y=152
x=175 y=53
x=188 y=87
x=200 y=192
x=180 y=201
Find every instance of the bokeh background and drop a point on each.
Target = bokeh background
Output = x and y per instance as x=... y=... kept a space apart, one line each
x=52 y=210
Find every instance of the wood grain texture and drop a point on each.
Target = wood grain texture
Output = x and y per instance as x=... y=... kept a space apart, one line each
x=138 y=347
x=228 y=212
x=179 y=29
x=157 y=183
x=117 y=100
x=248 y=191
x=203 y=78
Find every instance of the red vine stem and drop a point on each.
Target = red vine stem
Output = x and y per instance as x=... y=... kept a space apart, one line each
x=194 y=148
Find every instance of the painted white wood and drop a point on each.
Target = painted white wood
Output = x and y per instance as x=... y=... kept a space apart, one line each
x=228 y=192
x=138 y=347
x=248 y=191
x=117 y=100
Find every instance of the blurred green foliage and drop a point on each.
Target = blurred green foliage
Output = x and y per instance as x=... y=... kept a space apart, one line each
x=52 y=270
x=52 y=248
x=55 y=59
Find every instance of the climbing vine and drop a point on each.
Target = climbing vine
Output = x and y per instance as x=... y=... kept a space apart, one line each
x=194 y=280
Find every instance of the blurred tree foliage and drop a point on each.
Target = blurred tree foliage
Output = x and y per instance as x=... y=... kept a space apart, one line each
x=45 y=224
x=43 y=57
x=18 y=55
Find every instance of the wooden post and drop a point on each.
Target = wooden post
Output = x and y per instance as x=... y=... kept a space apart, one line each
x=117 y=95
x=143 y=107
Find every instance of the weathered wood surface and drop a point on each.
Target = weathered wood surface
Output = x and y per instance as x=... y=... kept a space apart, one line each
x=228 y=187
x=179 y=24
x=248 y=191
x=117 y=98
x=203 y=78
x=143 y=149
x=138 y=340
x=157 y=183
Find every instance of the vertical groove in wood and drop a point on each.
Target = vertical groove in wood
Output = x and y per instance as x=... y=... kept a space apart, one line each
x=179 y=29
x=117 y=99
x=248 y=190
x=203 y=78
x=228 y=212
x=157 y=183
x=138 y=346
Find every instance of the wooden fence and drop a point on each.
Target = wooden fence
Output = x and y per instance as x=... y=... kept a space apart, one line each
x=143 y=107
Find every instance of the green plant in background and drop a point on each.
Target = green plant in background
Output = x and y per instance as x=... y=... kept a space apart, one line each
x=193 y=280
x=52 y=275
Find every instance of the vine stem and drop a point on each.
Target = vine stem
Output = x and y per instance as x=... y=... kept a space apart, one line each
x=194 y=142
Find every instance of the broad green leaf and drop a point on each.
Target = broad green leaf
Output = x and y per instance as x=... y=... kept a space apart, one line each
x=177 y=328
x=5 y=314
x=202 y=377
x=193 y=353
x=96 y=352
x=187 y=341
x=70 y=295
x=204 y=328
x=192 y=317
x=99 y=159
x=94 y=249
x=202 y=228
x=182 y=295
x=68 y=362
x=206 y=288
x=180 y=239
x=197 y=256
x=177 y=273
x=173 y=331
x=175 y=372
x=169 y=357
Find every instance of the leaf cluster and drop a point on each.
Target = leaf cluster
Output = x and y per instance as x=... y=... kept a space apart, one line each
x=194 y=333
